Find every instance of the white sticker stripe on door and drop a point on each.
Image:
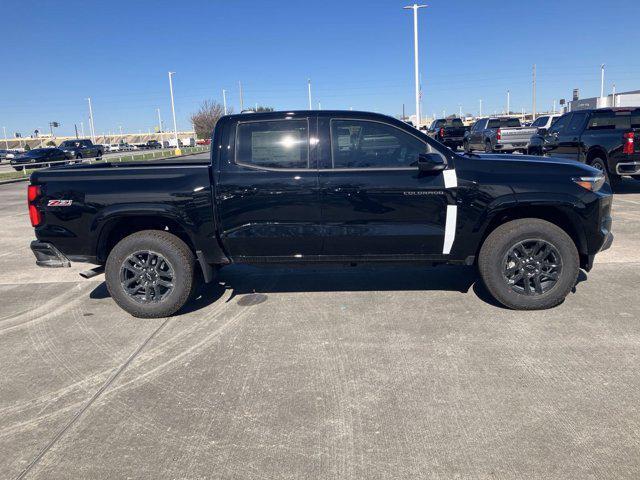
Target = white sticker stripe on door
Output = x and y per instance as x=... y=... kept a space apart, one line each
x=450 y=228
x=450 y=178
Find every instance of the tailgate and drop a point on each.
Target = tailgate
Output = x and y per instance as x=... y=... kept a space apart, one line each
x=454 y=132
x=516 y=135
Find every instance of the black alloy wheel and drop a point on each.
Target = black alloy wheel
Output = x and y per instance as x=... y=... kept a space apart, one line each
x=532 y=267
x=147 y=277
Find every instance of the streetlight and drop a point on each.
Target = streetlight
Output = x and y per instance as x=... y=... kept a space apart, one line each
x=460 y=108
x=6 y=142
x=309 y=89
x=508 y=102
x=415 y=8
x=173 y=111
x=160 y=127
x=602 y=80
x=224 y=100
x=91 y=125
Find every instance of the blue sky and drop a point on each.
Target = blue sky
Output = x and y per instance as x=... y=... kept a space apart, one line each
x=357 y=53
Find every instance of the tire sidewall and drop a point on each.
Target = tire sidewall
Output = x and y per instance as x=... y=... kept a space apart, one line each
x=496 y=247
x=183 y=268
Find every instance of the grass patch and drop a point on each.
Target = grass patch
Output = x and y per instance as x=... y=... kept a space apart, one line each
x=132 y=157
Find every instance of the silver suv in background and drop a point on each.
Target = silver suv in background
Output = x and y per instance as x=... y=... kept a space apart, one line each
x=544 y=122
x=498 y=135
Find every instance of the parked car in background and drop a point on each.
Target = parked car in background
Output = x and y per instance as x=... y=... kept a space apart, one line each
x=153 y=144
x=82 y=148
x=607 y=139
x=448 y=131
x=389 y=193
x=187 y=142
x=502 y=134
x=7 y=154
x=38 y=158
x=544 y=122
x=113 y=147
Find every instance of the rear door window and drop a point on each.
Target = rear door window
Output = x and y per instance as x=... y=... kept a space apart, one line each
x=577 y=123
x=281 y=144
x=559 y=125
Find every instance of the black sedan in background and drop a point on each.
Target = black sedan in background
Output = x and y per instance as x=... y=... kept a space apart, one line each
x=38 y=158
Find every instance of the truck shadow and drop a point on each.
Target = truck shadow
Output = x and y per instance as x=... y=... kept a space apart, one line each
x=255 y=283
x=627 y=186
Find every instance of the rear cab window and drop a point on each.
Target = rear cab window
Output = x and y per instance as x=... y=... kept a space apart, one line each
x=273 y=144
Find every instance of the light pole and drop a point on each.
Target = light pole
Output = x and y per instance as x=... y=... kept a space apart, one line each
x=415 y=8
x=6 y=142
x=508 y=102
x=602 y=80
x=160 y=128
x=173 y=112
x=241 y=100
x=91 y=125
x=309 y=90
x=480 y=114
x=224 y=100
x=460 y=108
x=120 y=128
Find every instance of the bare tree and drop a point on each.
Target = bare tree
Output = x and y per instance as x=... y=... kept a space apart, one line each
x=205 y=119
x=262 y=108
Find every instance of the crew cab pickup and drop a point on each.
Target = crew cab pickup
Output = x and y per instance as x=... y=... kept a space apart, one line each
x=322 y=186
x=448 y=131
x=82 y=148
x=607 y=139
x=498 y=135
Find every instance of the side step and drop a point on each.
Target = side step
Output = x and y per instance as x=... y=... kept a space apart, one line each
x=92 y=272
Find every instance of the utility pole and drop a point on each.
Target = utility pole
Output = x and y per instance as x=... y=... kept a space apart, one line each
x=6 y=142
x=508 y=102
x=533 y=112
x=91 y=124
x=160 y=129
x=415 y=8
x=173 y=111
x=241 y=99
x=602 y=80
x=480 y=115
x=309 y=90
x=224 y=100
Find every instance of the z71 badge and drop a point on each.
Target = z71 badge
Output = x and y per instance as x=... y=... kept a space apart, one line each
x=59 y=203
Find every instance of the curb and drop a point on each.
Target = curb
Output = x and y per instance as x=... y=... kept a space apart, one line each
x=14 y=180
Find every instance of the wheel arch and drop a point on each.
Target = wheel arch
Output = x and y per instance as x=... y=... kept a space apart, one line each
x=119 y=227
x=595 y=152
x=557 y=215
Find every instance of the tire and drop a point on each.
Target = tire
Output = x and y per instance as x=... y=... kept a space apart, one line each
x=600 y=164
x=487 y=147
x=465 y=146
x=78 y=156
x=174 y=260
x=99 y=154
x=495 y=264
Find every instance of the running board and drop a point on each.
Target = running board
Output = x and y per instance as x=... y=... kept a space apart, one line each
x=94 y=272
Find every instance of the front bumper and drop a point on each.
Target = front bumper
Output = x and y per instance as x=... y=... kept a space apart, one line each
x=48 y=256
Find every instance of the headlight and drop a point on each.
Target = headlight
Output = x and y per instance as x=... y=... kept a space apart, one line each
x=592 y=184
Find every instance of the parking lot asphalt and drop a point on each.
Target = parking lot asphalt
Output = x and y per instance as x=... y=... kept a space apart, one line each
x=327 y=373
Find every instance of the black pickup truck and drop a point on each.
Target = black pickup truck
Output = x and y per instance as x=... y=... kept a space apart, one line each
x=607 y=139
x=322 y=186
x=82 y=148
x=449 y=131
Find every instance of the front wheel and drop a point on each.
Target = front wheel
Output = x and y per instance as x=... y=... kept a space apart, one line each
x=150 y=274
x=529 y=264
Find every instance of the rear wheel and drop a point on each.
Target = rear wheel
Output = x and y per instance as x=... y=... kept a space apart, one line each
x=600 y=164
x=150 y=274
x=529 y=264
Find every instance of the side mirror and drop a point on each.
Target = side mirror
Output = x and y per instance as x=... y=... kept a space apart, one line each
x=431 y=162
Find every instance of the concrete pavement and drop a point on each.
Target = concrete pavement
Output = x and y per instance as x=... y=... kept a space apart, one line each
x=327 y=373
